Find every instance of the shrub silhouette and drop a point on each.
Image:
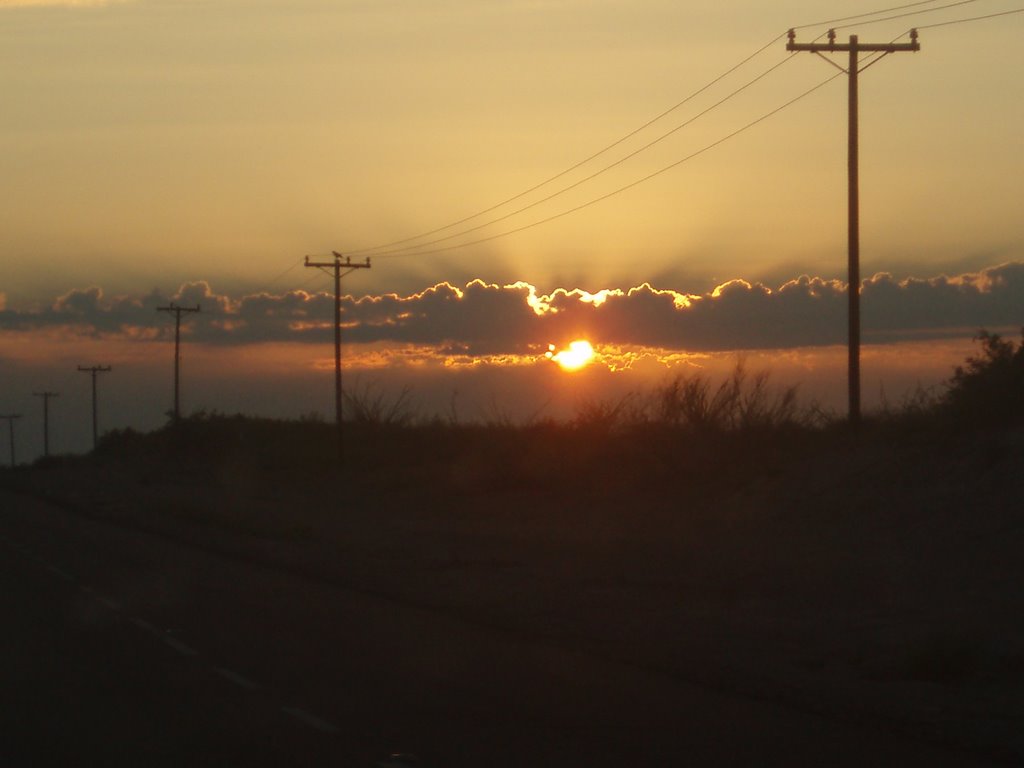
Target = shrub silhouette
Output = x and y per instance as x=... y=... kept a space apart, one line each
x=988 y=390
x=740 y=403
x=366 y=403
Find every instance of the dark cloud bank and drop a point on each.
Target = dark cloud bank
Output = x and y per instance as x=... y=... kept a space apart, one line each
x=482 y=318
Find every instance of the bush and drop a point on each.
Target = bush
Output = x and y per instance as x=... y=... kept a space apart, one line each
x=988 y=390
x=740 y=403
x=369 y=405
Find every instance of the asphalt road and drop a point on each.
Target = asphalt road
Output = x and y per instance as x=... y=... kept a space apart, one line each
x=123 y=648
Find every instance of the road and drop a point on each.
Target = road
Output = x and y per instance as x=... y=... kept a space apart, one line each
x=124 y=648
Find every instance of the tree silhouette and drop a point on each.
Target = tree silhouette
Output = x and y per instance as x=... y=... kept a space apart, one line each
x=988 y=389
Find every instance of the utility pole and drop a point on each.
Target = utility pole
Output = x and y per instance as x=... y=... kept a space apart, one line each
x=336 y=267
x=177 y=348
x=46 y=418
x=853 y=69
x=10 y=417
x=94 y=370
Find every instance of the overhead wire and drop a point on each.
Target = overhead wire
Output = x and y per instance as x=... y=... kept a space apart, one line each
x=384 y=247
x=581 y=163
x=617 y=142
x=973 y=18
x=273 y=280
x=595 y=174
x=634 y=183
x=865 y=15
x=912 y=13
x=415 y=249
x=318 y=277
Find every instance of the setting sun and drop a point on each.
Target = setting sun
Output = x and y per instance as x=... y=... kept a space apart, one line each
x=579 y=354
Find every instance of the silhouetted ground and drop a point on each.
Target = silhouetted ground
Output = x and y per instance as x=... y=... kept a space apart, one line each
x=874 y=580
x=709 y=535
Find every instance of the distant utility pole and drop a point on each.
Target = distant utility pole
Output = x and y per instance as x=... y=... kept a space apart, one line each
x=177 y=348
x=336 y=267
x=46 y=418
x=10 y=417
x=854 y=47
x=94 y=370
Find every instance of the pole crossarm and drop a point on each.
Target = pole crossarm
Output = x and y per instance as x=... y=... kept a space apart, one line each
x=348 y=265
x=176 y=309
x=854 y=45
x=337 y=269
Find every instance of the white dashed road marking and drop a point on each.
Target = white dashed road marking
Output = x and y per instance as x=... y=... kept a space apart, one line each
x=146 y=626
x=238 y=679
x=63 y=574
x=111 y=604
x=311 y=720
x=99 y=598
x=179 y=646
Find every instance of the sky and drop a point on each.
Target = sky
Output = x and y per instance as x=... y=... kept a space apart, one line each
x=197 y=150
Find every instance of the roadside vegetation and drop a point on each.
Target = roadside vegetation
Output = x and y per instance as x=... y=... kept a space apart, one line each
x=693 y=435
x=690 y=429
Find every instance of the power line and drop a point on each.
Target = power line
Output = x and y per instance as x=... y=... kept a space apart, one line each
x=388 y=245
x=594 y=175
x=973 y=18
x=632 y=184
x=579 y=164
x=316 y=278
x=267 y=285
x=865 y=15
x=271 y=282
x=652 y=121
x=912 y=13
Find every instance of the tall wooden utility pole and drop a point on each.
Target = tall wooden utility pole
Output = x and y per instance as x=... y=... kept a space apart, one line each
x=336 y=268
x=46 y=418
x=853 y=69
x=10 y=417
x=177 y=348
x=94 y=370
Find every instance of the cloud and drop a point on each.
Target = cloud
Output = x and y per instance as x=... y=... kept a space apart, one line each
x=490 y=321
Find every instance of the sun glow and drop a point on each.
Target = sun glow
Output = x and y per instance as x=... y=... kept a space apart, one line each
x=579 y=354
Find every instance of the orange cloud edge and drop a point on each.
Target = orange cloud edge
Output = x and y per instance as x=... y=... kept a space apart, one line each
x=88 y=313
